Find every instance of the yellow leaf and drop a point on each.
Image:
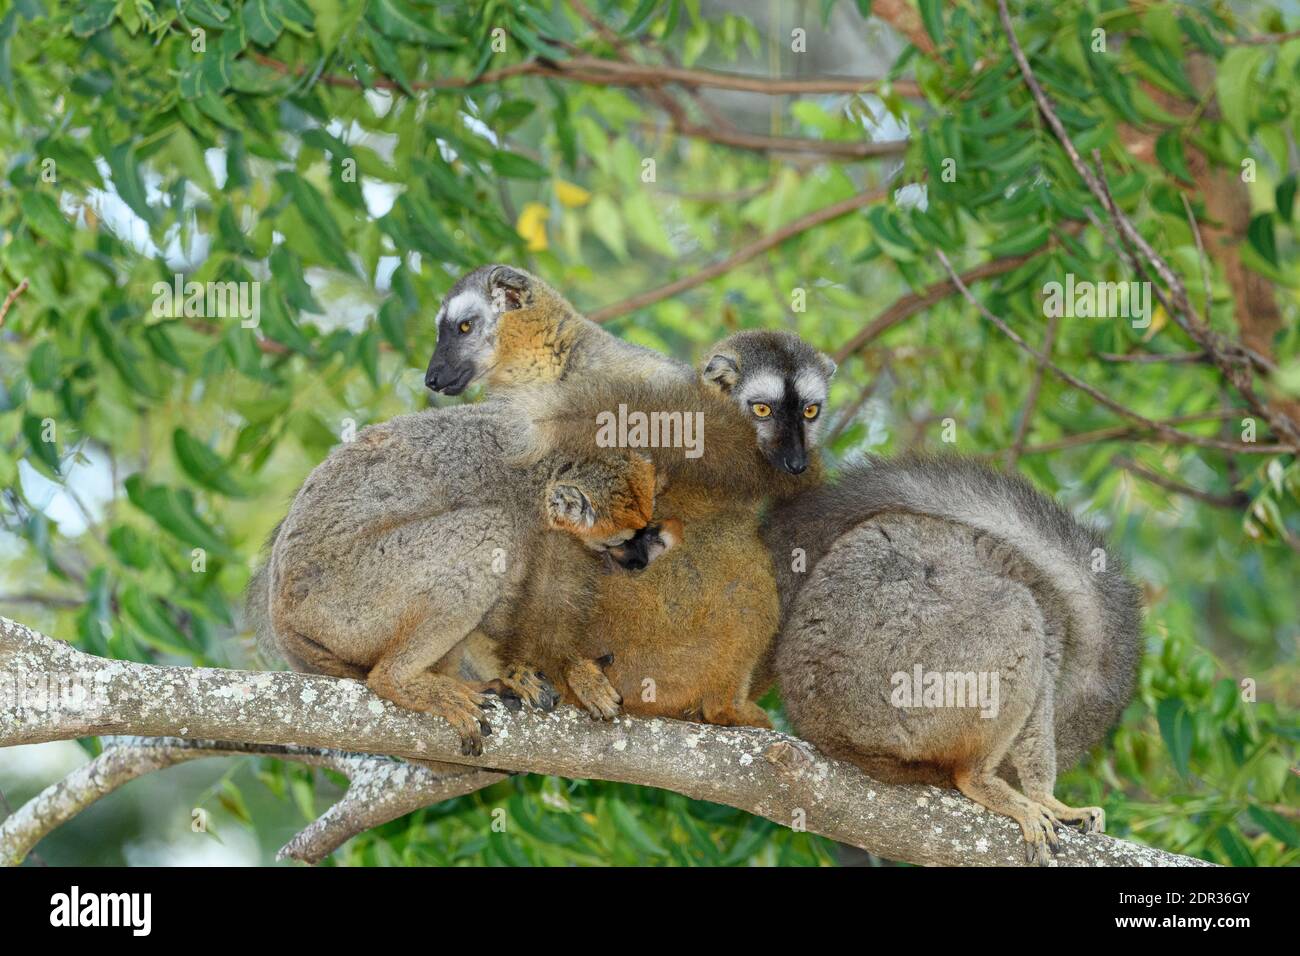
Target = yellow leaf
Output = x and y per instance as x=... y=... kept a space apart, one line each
x=532 y=226
x=571 y=195
x=1159 y=319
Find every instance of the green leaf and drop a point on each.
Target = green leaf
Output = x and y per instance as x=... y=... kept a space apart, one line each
x=262 y=22
x=91 y=16
x=335 y=19
x=1169 y=150
x=204 y=465
x=932 y=17
x=395 y=19
x=1023 y=241
x=124 y=167
x=1275 y=825
x=173 y=510
x=630 y=828
x=514 y=166
x=1285 y=198
x=1236 y=87
x=1261 y=236
x=45 y=454
x=315 y=213
x=1176 y=729
x=43 y=215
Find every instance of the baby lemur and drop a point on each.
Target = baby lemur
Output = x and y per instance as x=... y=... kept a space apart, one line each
x=697 y=623
x=684 y=638
x=954 y=626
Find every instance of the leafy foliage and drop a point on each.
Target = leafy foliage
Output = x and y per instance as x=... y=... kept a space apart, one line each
x=351 y=157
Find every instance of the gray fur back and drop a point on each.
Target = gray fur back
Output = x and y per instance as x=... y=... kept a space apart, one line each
x=1102 y=609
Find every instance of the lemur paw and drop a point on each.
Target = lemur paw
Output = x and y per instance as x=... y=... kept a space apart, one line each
x=463 y=709
x=1087 y=819
x=1041 y=840
x=568 y=509
x=523 y=685
x=593 y=690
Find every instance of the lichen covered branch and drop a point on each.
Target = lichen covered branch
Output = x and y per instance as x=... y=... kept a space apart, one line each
x=762 y=772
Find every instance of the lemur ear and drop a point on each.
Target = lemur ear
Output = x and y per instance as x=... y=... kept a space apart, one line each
x=508 y=287
x=722 y=372
x=828 y=365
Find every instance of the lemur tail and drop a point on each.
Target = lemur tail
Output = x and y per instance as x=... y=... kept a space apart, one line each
x=257 y=606
x=1102 y=643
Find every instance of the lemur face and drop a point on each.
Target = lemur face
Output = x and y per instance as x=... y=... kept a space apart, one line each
x=468 y=324
x=781 y=383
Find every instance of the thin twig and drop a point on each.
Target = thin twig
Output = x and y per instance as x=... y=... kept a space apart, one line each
x=1031 y=400
x=1224 y=353
x=1126 y=432
x=9 y=300
x=1235 y=500
x=741 y=256
x=602 y=72
x=1200 y=252
x=1169 y=434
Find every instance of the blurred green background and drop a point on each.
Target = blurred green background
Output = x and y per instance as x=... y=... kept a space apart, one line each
x=353 y=157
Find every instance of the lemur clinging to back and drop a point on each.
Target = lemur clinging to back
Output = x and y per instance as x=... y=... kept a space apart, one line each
x=686 y=635
x=943 y=565
x=694 y=627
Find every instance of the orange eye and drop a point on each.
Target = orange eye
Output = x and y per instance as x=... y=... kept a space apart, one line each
x=465 y=327
x=811 y=411
x=760 y=410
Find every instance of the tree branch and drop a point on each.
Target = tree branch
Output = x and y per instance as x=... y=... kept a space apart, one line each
x=741 y=255
x=1237 y=499
x=1225 y=354
x=765 y=773
x=9 y=299
x=1169 y=434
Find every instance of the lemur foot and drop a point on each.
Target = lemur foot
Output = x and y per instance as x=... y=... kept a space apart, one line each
x=593 y=690
x=1041 y=840
x=747 y=714
x=452 y=700
x=1087 y=819
x=568 y=509
x=523 y=685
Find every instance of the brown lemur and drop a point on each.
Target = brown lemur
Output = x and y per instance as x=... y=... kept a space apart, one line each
x=684 y=637
x=407 y=539
x=946 y=623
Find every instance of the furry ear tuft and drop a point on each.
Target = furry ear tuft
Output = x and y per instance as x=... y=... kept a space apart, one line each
x=508 y=288
x=722 y=372
x=828 y=365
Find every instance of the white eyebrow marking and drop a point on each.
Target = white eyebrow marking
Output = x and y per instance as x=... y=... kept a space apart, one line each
x=811 y=386
x=765 y=387
x=467 y=302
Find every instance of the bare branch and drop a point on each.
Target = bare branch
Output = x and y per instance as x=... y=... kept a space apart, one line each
x=1225 y=354
x=1164 y=431
x=1031 y=400
x=1234 y=500
x=1128 y=432
x=742 y=255
x=598 y=71
x=760 y=771
x=9 y=299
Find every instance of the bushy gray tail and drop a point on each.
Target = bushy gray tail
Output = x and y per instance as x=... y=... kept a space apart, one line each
x=1102 y=606
x=257 y=607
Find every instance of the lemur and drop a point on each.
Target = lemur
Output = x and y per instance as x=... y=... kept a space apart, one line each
x=403 y=542
x=925 y=566
x=684 y=637
x=405 y=539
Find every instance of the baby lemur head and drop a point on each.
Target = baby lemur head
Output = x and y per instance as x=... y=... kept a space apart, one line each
x=780 y=382
x=500 y=322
